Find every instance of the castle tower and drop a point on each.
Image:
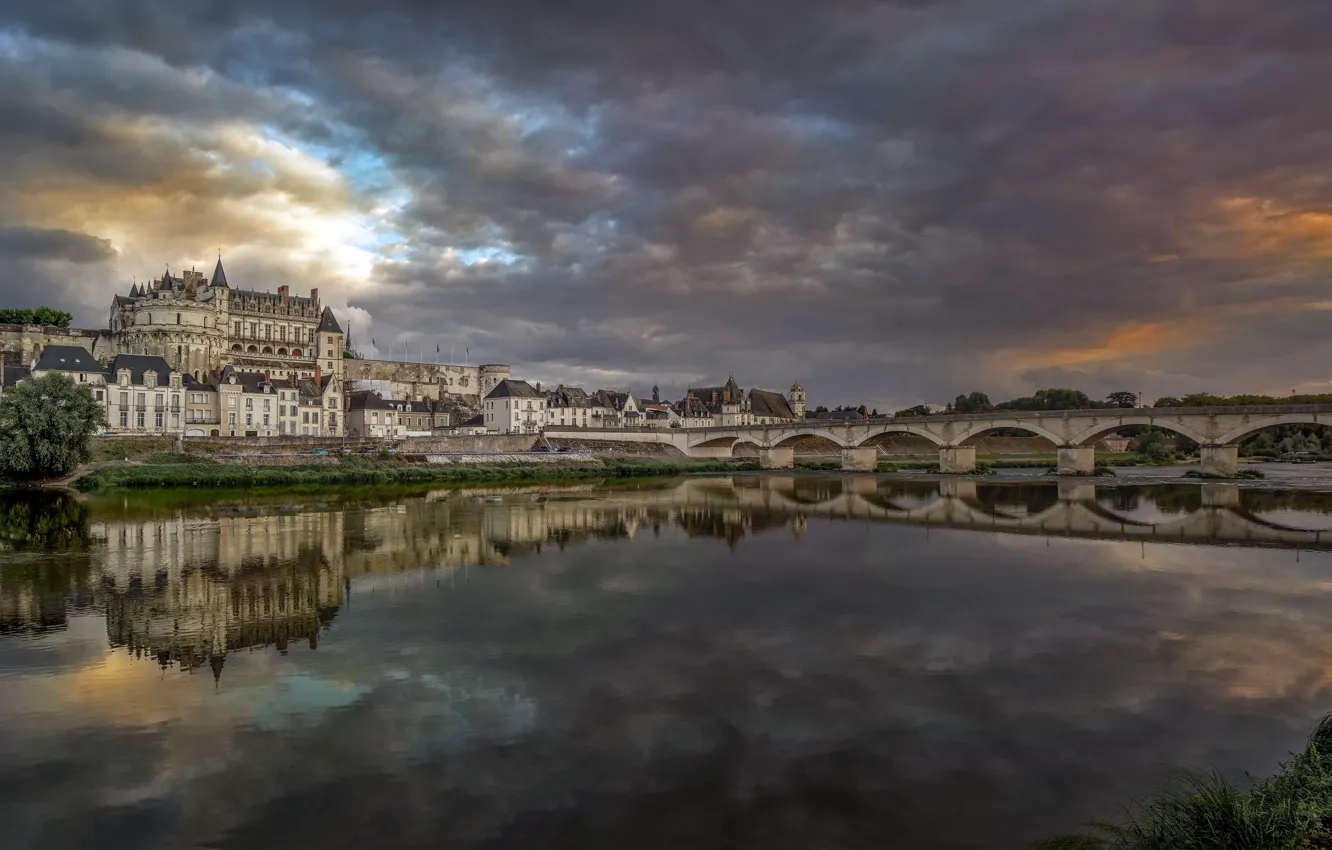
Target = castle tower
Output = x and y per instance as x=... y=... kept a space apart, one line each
x=797 y=400
x=329 y=346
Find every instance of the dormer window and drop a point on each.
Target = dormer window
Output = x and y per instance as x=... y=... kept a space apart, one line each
x=150 y=379
x=124 y=377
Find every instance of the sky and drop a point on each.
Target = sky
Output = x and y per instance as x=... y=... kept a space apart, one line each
x=889 y=201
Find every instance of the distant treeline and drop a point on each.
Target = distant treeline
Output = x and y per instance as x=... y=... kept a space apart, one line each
x=1066 y=399
x=40 y=316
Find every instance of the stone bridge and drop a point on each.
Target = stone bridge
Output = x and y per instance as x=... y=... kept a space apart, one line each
x=1074 y=434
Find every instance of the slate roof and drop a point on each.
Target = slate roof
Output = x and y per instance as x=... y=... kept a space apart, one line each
x=250 y=382
x=771 y=404
x=367 y=400
x=510 y=388
x=219 y=275
x=328 y=323
x=12 y=374
x=139 y=364
x=563 y=396
x=68 y=358
x=477 y=421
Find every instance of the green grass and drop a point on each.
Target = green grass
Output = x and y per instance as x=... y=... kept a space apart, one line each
x=360 y=470
x=1291 y=810
x=1216 y=476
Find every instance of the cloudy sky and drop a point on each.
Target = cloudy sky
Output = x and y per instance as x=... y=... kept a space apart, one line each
x=890 y=201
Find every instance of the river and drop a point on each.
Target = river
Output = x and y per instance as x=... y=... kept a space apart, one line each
x=758 y=661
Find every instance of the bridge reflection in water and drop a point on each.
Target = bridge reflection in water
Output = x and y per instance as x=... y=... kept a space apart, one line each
x=1210 y=514
x=187 y=587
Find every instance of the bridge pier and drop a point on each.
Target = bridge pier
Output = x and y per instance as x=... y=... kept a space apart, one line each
x=862 y=459
x=1220 y=496
x=957 y=460
x=1075 y=460
x=1219 y=460
x=776 y=458
x=1077 y=491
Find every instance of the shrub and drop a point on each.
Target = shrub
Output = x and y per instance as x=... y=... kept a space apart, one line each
x=46 y=427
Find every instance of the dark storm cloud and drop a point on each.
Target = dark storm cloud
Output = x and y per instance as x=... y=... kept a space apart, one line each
x=940 y=195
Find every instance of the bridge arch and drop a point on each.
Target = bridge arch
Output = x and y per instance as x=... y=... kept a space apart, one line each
x=979 y=428
x=804 y=433
x=901 y=428
x=1268 y=421
x=1090 y=435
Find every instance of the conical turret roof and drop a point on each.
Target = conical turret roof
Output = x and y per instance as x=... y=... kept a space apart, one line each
x=219 y=275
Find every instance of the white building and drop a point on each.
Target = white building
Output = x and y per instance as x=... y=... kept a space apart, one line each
x=515 y=407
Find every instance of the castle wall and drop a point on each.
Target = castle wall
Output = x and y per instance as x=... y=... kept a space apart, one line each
x=417 y=381
x=22 y=344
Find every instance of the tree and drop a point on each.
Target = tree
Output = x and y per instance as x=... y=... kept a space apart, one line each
x=975 y=402
x=46 y=425
x=1123 y=399
x=1167 y=401
x=918 y=410
x=41 y=316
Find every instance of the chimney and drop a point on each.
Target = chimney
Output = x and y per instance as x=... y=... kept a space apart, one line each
x=314 y=296
x=284 y=293
x=316 y=374
x=538 y=386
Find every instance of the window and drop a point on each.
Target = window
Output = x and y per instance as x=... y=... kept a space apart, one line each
x=249 y=404
x=140 y=418
x=231 y=420
x=254 y=331
x=282 y=334
x=267 y=402
x=124 y=379
x=268 y=332
x=249 y=419
x=265 y=418
x=178 y=321
x=124 y=399
x=159 y=401
x=305 y=417
x=140 y=400
x=158 y=418
x=83 y=378
x=330 y=341
x=332 y=420
x=97 y=394
x=374 y=418
x=238 y=329
x=231 y=403
x=124 y=419
x=332 y=402
x=314 y=417
x=150 y=380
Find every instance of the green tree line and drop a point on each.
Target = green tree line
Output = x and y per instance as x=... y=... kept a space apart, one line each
x=41 y=316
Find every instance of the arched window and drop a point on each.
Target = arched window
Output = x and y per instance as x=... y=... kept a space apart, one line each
x=252 y=350
x=268 y=349
x=295 y=352
x=236 y=348
x=282 y=352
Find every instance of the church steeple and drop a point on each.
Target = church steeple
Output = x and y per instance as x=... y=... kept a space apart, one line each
x=134 y=290
x=219 y=275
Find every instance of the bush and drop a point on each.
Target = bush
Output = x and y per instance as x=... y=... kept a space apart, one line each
x=46 y=427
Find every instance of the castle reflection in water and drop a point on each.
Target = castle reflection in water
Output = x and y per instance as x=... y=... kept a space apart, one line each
x=186 y=587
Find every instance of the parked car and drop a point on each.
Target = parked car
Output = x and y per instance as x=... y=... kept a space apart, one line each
x=319 y=452
x=543 y=448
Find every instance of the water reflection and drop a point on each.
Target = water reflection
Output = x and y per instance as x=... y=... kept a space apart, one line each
x=756 y=661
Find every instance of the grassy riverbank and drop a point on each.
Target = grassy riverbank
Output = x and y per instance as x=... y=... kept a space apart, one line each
x=188 y=471
x=1291 y=810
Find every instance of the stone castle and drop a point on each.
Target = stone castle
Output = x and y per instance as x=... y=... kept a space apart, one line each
x=201 y=324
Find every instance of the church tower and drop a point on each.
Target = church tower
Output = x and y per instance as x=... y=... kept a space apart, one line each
x=797 y=400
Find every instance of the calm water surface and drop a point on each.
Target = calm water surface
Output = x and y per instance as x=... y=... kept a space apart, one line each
x=757 y=662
